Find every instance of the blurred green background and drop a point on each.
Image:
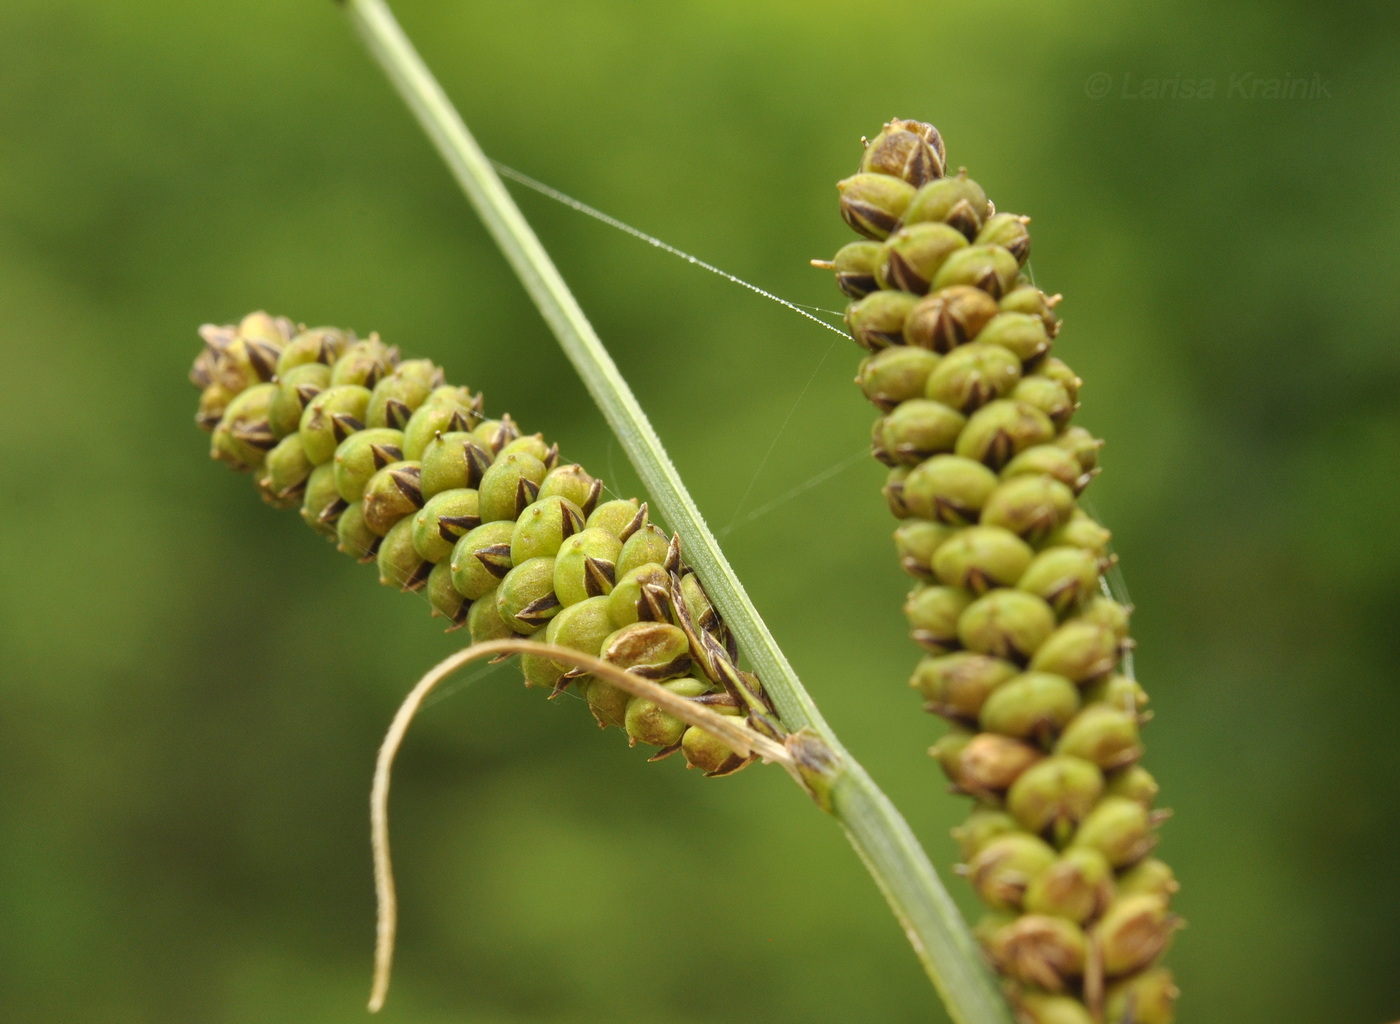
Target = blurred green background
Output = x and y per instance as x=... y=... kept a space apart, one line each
x=194 y=687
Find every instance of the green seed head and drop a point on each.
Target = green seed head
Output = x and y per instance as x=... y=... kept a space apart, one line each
x=948 y=752
x=1008 y=230
x=1104 y=735
x=1120 y=829
x=1055 y=795
x=1133 y=933
x=982 y=826
x=894 y=492
x=1032 y=507
x=446 y=410
x=364 y=363
x=330 y=417
x=917 y=540
x=877 y=321
x=1149 y=877
x=896 y=375
x=1005 y=866
x=295 y=388
x=213 y=401
x=1080 y=651
x=572 y=483
x=396 y=397
x=1047 y=952
x=1146 y=998
x=1049 y=396
x=949 y=489
x=1000 y=430
x=1028 y=299
x=982 y=557
x=972 y=375
x=586 y=566
x=244 y=437
x=1061 y=374
x=648 y=545
x=1048 y=460
x=643 y=595
x=913 y=256
x=444 y=598
x=584 y=626
x=958 y=201
x=400 y=565
x=542 y=527
x=1081 y=532
x=1134 y=782
x=1024 y=336
x=872 y=204
x=1040 y=1008
x=318 y=345
x=534 y=444
x=1033 y=706
x=494 y=435
x=285 y=472
x=484 y=620
x=321 y=505
x=1108 y=612
x=1083 y=445
x=855 y=265
x=933 y=614
x=988 y=267
x=453 y=460
x=647 y=723
x=989 y=764
x=1064 y=578
x=361 y=455
x=711 y=756
x=481 y=559
x=1117 y=691
x=697 y=605
x=653 y=650
x=1007 y=624
x=608 y=703
x=918 y=429
x=444 y=519
x=957 y=685
x=391 y=494
x=948 y=318
x=525 y=597
x=621 y=517
x=510 y=486
x=909 y=150
x=1078 y=886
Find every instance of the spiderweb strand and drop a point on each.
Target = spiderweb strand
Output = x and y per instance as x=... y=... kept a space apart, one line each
x=582 y=207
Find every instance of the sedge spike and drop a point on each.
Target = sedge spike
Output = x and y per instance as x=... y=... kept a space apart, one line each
x=1026 y=656
x=506 y=540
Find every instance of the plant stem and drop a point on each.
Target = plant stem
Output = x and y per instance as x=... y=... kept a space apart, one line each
x=875 y=828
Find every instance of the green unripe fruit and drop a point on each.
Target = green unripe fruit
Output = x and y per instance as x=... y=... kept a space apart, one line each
x=648 y=545
x=1032 y=507
x=1108 y=612
x=243 y=436
x=972 y=375
x=872 y=204
x=1081 y=532
x=1120 y=829
x=1033 y=706
x=1006 y=624
x=571 y=483
x=1048 y=460
x=541 y=672
x=877 y=321
x=1133 y=933
x=982 y=557
x=399 y=564
x=481 y=559
x=353 y=537
x=1055 y=795
x=909 y=150
x=542 y=527
x=1148 y=877
x=893 y=492
x=643 y=595
x=608 y=703
x=1030 y=300
x=321 y=506
x=620 y=517
x=948 y=318
x=510 y=486
x=988 y=267
x=444 y=411
x=213 y=402
x=982 y=826
x=586 y=566
x=919 y=428
x=453 y=460
x=1064 y=578
x=958 y=685
x=533 y=444
x=525 y=597
x=1146 y=998
x=958 y=201
x=1048 y=952
x=360 y=456
x=949 y=489
x=1083 y=445
x=364 y=363
x=444 y=519
x=1061 y=374
x=295 y=388
x=391 y=494
x=484 y=620
x=285 y=472
x=984 y=931
x=916 y=541
x=1117 y=691
x=948 y=753
x=317 y=345
x=702 y=750
x=1004 y=867
x=989 y=764
x=1078 y=886
x=330 y=417
x=1104 y=735
x=1134 y=782
x=493 y=435
x=1022 y=335
x=913 y=255
x=444 y=598
x=1080 y=651
x=697 y=605
x=855 y=265
x=584 y=626
x=652 y=650
x=896 y=375
x=1008 y=230
x=1049 y=396
x=645 y=722
x=1001 y=429
x=396 y=397
x=1040 y=1008
x=933 y=614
